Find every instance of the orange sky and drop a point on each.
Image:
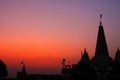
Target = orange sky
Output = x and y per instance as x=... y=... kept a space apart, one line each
x=41 y=33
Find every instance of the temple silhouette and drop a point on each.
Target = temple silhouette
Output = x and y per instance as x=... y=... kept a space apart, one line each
x=100 y=67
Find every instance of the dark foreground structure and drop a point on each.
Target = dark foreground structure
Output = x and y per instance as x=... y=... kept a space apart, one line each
x=3 y=69
x=23 y=75
x=100 y=67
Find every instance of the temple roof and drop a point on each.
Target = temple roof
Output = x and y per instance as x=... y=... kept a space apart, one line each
x=101 y=46
x=101 y=52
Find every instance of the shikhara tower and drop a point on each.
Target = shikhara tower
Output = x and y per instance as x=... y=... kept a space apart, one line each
x=101 y=57
x=102 y=62
x=101 y=46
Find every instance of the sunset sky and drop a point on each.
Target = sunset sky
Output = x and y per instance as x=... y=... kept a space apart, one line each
x=43 y=32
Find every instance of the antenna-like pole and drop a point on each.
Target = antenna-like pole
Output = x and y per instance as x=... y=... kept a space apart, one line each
x=100 y=19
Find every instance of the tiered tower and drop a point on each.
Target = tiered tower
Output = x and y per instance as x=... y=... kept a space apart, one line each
x=102 y=62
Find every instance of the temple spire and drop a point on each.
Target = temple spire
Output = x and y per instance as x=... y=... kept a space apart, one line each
x=101 y=46
x=85 y=57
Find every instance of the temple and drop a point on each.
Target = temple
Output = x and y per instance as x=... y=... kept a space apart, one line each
x=102 y=61
x=101 y=66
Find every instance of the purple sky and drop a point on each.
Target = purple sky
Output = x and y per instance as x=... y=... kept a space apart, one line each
x=60 y=28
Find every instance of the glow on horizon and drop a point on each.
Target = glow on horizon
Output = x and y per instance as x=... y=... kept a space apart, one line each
x=47 y=31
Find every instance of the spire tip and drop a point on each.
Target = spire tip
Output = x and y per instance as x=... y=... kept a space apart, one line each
x=100 y=19
x=100 y=16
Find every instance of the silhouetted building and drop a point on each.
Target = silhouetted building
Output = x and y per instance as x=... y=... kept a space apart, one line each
x=101 y=66
x=3 y=69
x=102 y=62
x=23 y=74
x=85 y=57
x=83 y=70
x=115 y=74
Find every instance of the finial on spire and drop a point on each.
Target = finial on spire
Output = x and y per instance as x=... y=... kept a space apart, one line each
x=100 y=16
x=100 y=19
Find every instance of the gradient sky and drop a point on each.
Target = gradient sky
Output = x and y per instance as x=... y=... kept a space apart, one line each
x=42 y=32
